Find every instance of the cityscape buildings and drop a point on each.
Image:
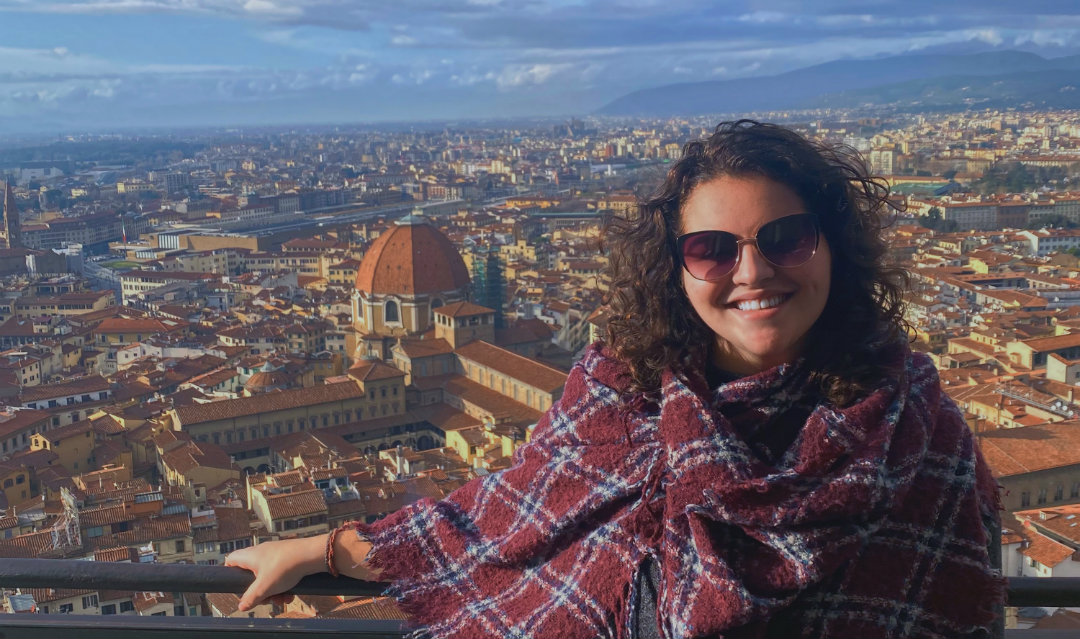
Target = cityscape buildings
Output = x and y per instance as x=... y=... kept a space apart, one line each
x=275 y=332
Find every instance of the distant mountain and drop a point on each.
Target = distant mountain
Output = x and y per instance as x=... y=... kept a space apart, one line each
x=1005 y=78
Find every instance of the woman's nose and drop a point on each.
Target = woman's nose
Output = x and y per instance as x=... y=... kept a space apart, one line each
x=752 y=266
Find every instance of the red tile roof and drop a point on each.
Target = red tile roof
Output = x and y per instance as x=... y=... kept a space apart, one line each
x=1044 y=550
x=411 y=259
x=463 y=309
x=373 y=370
x=78 y=386
x=513 y=365
x=417 y=348
x=283 y=400
x=1014 y=451
x=297 y=504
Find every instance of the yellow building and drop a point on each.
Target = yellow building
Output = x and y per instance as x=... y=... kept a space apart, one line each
x=65 y=304
x=258 y=418
x=195 y=467
x=73 y=444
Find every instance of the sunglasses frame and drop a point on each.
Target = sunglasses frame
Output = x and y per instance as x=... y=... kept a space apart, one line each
x=681 y=240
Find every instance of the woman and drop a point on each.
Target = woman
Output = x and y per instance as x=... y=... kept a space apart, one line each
x=754 y=452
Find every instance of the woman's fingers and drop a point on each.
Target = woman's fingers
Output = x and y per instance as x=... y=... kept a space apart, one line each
x=254 y=595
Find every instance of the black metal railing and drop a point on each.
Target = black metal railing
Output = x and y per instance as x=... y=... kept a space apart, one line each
x=93 y=575
x=90 y=575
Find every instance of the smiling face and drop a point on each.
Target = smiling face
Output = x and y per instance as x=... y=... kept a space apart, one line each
x=759 y=313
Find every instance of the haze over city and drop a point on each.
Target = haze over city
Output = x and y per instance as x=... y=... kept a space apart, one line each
x=70 y=65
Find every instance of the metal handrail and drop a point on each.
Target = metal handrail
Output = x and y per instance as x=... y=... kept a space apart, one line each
x=91 y=575
x=133 y=627
x=85 y=575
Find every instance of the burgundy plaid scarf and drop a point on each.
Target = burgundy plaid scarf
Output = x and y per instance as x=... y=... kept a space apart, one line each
x=872 y=524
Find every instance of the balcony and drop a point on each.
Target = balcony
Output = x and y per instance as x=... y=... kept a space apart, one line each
x=57 y=573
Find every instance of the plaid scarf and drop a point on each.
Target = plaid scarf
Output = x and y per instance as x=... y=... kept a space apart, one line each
x=871 y=524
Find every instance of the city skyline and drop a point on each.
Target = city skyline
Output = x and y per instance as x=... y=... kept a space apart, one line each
x=70 y=65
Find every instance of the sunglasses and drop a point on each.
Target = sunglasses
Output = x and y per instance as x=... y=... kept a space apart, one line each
x=785 y=242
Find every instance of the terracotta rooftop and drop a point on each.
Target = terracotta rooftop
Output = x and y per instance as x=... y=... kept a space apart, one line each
x=1044 y=550
x=28 y=546
x=373 y=370
x=500 y=406
x=1014 y=451
x=1042 y=344
x=297 y=504
x=463 y=309
x=149 y=326
x=78 y=386
x=283 y=400
x=515 y=366
x=411 y=259
x=192 y=455
x=1063 y=521
x=417 y=348
x=15 y=421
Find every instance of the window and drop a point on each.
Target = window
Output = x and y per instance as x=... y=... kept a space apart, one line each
x=180 y=546
x=1042 y=496
x=126 y=606
x=1059 y=492
x=1025 y=499
x=90 y=601
x=391 y=312
x=67 y=609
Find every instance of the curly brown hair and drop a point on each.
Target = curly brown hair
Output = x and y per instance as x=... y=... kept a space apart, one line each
x=653 y=327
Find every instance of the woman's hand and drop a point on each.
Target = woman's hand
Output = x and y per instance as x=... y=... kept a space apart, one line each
x=278 y=566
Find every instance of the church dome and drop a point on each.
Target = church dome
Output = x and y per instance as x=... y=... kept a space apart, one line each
x=411 y=258
x=267 y=379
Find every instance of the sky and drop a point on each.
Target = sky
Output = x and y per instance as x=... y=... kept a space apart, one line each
x=74 y=65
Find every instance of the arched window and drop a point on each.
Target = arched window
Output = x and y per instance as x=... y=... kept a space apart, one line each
x=391 y=311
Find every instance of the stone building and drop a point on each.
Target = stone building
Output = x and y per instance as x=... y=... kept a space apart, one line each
x=410 y=270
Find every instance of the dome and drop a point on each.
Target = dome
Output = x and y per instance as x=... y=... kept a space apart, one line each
x=267 y=379
x=411 y=258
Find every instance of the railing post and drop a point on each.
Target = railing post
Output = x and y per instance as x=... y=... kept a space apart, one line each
x=998 y=631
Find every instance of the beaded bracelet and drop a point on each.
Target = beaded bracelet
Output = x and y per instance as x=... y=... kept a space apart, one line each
x=330 y=568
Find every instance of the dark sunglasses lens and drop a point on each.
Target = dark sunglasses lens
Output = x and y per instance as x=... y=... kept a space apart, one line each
x=789 y=241
x=710 y=255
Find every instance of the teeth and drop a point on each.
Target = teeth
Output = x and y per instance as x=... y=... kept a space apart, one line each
x=756 y=305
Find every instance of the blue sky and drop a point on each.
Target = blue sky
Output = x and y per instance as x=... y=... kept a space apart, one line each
x=68 y=65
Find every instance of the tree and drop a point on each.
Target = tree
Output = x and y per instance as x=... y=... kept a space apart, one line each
x=934 y=220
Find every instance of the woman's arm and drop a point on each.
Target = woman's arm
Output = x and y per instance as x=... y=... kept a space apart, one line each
x=280 y=565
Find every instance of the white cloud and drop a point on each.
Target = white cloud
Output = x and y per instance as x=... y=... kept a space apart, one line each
x=517 y=75
x=989 y=36
x=764 y=17
x=402 y=40
x=269 y=8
